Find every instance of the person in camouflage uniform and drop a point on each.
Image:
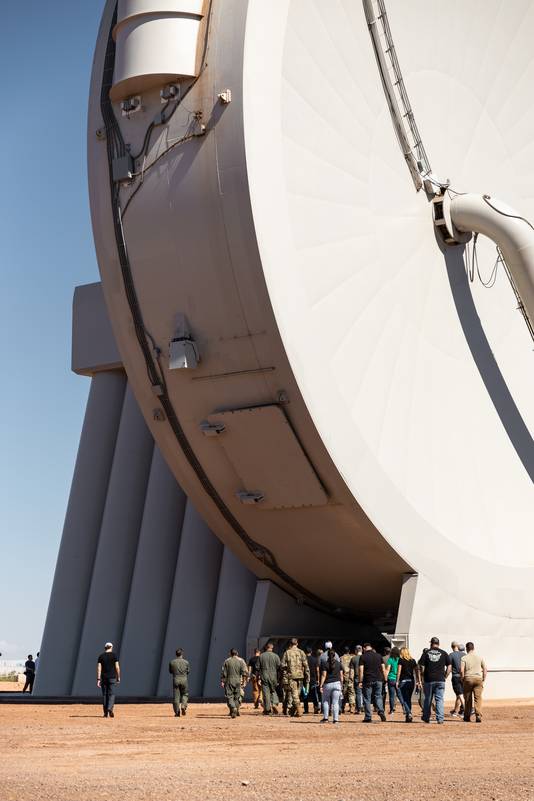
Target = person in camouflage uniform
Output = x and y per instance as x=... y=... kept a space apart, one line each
x=349 y=696
x=179 y=670
x=296 y=674
x=234 y=672
x=287 y=706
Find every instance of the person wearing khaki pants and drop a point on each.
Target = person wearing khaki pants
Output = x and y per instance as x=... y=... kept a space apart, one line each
x=473 y=672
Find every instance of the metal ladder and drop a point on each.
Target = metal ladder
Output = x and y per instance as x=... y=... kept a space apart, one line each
x=395 y=90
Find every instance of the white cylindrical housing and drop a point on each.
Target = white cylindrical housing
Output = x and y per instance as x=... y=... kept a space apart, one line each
x=511 y=232
x=156 y=43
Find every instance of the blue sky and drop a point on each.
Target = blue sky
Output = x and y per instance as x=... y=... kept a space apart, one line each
x=46 y=249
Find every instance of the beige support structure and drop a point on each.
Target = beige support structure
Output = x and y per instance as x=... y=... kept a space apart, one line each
x=152 y=580
x=72 y=579
x=190 y=614
x=117 y=544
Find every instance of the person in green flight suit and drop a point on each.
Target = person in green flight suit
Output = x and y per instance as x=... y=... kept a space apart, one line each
x=269 y=674
x=234 y=674
x=179 y=669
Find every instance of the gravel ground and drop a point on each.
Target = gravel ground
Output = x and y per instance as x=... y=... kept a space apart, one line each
x=70 y=753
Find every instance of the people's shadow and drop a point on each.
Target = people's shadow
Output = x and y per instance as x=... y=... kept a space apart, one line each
x=96 y=715
x=485 y=361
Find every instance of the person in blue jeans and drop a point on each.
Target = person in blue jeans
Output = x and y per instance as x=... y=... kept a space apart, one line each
x=435 y=665
x=108 y=675
x=330 y=686
x=392 y=666
x=407 y=681
x=372 y=674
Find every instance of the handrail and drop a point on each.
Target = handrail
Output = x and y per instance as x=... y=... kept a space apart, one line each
x=395 y=90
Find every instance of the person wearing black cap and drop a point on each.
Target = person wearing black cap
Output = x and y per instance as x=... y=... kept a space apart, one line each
x=29 y=672
x=436 y=666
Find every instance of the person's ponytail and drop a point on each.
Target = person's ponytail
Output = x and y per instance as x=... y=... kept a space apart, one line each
x=331 y=659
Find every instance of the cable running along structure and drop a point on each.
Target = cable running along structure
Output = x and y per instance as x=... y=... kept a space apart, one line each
x=116 y=147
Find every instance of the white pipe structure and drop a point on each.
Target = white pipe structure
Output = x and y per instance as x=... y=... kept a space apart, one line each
x=511 y=232
x=156 y=44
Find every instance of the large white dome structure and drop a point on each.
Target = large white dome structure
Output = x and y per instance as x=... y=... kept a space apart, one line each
x=348 y=411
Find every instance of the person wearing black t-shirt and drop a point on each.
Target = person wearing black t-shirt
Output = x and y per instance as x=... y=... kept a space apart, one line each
x=372 y=675
x=330 y=685
x=108 y=674
x=407 y=681
x=435 y=665
x=254 y=677
x=29 y=672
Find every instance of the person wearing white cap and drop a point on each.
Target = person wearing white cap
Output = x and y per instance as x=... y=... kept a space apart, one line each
x=108 y=674
x=330 y=685
x=323 y=659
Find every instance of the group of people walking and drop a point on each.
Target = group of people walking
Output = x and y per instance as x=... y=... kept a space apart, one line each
x=360 y=680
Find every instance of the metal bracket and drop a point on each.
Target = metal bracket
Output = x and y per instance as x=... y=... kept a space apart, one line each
x=212 y=429
x=441 y=216
x=250 y=498
x=122 y=169
x=131 y=105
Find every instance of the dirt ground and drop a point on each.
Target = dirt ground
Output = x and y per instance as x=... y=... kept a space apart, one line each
x=11 y=686
x=71 y=753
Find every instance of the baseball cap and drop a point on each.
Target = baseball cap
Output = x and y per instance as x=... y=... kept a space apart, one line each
x=328 y=644
x=108 y=645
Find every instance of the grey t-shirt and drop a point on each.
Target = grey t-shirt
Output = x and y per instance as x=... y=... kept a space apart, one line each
x=355 y=664
x=456 y=658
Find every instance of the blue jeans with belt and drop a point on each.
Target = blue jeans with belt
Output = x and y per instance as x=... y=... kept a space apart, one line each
x=406 y=688
x=372 y=694
x=394 y=692
x=331 y=695
x=434 y=689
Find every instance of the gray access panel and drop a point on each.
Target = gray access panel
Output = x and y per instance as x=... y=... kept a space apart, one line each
x=267 y=458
